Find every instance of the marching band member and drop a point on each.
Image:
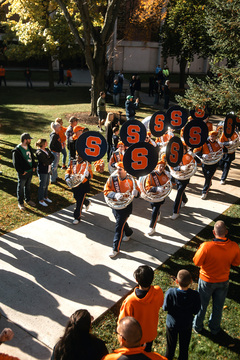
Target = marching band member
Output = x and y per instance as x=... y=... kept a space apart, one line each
x=181 y=198
x=154 y=182
x=80 y=167
x=117 y=156
x=210 y=146
x=149 y=139
x=116 y=187
x=228 y=155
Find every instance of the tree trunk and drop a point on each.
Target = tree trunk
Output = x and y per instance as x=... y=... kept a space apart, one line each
x=50 y=73
x=182 y=65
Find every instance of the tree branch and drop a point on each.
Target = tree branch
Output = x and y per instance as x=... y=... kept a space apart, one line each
x=110 y=17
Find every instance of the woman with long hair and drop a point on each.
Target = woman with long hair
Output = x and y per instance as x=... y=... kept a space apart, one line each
x=77 y=342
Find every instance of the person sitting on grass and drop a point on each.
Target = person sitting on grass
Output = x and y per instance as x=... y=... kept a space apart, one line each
x=181 y=304
x=144 y=305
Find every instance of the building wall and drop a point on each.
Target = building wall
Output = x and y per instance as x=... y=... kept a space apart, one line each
x=140 y=56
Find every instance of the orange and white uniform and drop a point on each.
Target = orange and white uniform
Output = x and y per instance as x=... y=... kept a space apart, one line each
x=79 y=169
x=115 y=158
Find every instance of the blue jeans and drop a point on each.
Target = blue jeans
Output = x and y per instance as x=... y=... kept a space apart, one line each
x=55 y=166
x=43 y=186
x=218 y=292
x=23 y=187
x=64 y=157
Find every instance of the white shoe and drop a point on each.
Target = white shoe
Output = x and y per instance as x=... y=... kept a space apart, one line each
x=75 y=221
x=174 y=216
x=88 y=206
x=204 y=196
x=113 y=254
x=126 y=238
x=183 y=204
x=151 y=231
x=42 y=202
x=48 y=200
x=21 y=207
x=222 y=182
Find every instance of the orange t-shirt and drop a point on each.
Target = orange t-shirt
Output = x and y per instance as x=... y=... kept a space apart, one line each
x=145 y=311
x=2 y=72
x=62 y=134
x=215 y=259
x=69 y=73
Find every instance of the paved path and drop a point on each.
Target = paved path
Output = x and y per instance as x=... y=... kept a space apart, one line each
x=50 y=268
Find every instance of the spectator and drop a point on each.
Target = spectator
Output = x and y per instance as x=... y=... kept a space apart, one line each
x=24 y=163
x=55 y=147
x=115 y=138
x=181 y=304
x=129 y=337
x=45 y=159
x=214 y=259
x=120 y=79
x=69 y=77
x=28 y=77
x=77 y=342
x=151 y=86
x=132 y=85
x=2 y=75
x=109 y=80
x=144 y=304
x=158 y=68
x=131 y=107
x=138 y=86
x=70 y=142
x=63 y=141
x=101 y=110
x=109 y=134
x=166 y=94
x=165 y=73
x=61 y=74
x=116 y=92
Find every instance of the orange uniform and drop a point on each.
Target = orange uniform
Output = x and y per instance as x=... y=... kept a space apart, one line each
x=223 y=139
x=145 y=311
x=151 y=180
x=208 y=147
x=123 y=185
x=79 y=169
x=128 y=353
x=116 y=157
x=215 y=259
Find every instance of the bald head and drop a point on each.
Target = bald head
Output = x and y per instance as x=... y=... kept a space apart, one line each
x=130 y=332
x=220 y=229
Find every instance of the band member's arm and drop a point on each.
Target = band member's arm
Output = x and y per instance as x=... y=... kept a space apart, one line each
x=109 y=189
x=150 y=184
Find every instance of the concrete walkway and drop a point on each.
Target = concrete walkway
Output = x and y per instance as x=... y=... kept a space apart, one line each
x=50 y=268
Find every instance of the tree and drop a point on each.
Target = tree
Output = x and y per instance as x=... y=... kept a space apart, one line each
x=221 y=90
x=184 y=32
x=97 y=23
x=41 y=32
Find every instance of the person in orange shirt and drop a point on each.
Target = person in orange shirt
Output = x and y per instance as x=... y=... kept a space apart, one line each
x=214 y=259
x=181 y=198
x=84 y=169
x=228 y=155
x=129 y=335
x=69 y=77
x=117 y=156
x=144 y=304
x=116 y=188
x=210 y=146
x=154 y=184
x=2 y=75
x=63 y=141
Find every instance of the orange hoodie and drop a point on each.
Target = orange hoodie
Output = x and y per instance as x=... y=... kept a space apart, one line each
x=145 y=311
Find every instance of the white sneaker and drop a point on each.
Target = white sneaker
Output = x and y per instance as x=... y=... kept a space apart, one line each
x=204 y=196
x=42 y=202
x=174 y=216
x=113 y=254
x=75 y=221
x=48 y=200
x=222 y=182
x=21 y=207
x=183 y=204
x=151 y=231
x=88 y=206
x=126 y=238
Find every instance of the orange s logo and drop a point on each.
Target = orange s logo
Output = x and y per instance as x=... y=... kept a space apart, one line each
x=199 y=113
x=176 y=118
x=93 y=146
x=195 y=136
x=175 y=147
x=159 y=122
x=133 y=134
x=229 y=126
x=139 y=158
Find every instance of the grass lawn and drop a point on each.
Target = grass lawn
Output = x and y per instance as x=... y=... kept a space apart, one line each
x=26 y=110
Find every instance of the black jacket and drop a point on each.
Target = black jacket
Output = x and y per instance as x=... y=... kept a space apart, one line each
x=55 y=142
x=19 y=163
x=44 y=160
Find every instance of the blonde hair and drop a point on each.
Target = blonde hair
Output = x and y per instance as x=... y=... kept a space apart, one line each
x=58 y=121
x=109 y=118
x=55 y=126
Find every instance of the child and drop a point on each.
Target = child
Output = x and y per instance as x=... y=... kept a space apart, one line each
x=181 y=304
x=144 y=304
x=63 y=141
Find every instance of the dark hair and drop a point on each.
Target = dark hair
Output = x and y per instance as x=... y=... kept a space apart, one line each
x=116 y=128
x=144 y=275
x=72 y=119
x=71 y=345
x=102 y=93
x=184 y=278
x=40 y=142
